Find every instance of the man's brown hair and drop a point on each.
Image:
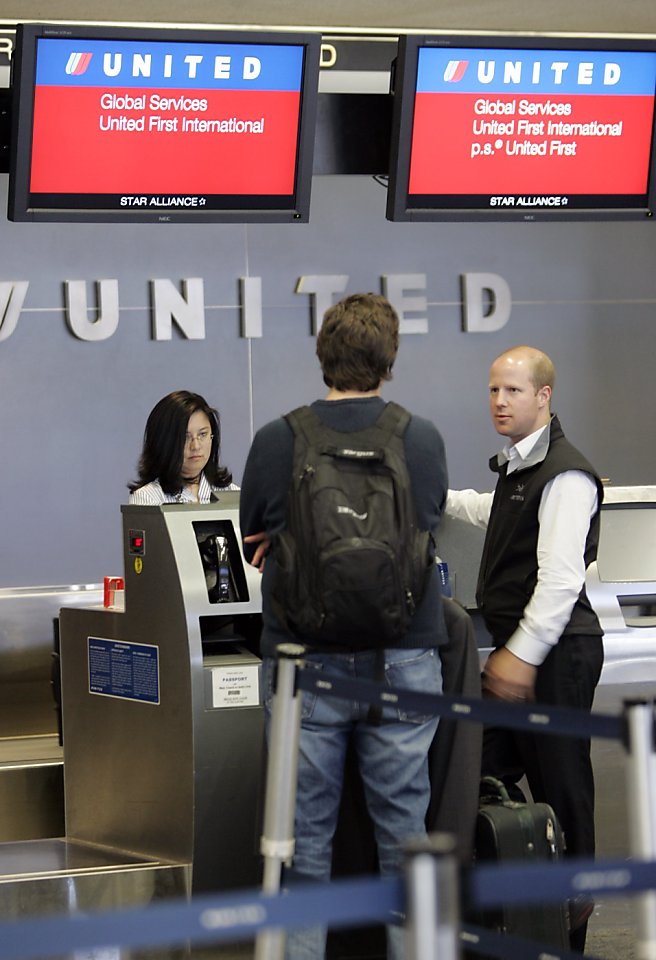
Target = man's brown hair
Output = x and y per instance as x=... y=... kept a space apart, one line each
x=358 y=342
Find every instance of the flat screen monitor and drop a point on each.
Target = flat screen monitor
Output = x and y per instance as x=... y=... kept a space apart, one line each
x=162 y=125
x=518 y=128
x=627 y=543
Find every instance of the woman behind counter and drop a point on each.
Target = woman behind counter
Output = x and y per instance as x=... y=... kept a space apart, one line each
x=180 y=457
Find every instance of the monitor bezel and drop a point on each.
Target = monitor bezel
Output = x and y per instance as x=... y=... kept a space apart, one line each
x=403 y=89
x=244 y=208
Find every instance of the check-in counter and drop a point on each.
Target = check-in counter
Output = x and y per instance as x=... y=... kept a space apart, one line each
x=162 y=722
x=621 y=584
x=31 y=755
x=163 y=729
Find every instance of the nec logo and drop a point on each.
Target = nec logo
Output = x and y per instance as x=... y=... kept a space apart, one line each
x=78 y=63
x=509 y=72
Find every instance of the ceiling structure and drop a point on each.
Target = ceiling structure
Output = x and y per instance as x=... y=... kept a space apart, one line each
x=359 y=44
x=633 y=17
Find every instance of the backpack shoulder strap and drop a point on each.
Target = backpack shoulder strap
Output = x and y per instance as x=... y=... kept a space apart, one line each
x=393 y=421
x=395 y=416
x=301 y=416
x=303 y=422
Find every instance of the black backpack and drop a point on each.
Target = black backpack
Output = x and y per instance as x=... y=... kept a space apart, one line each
x=351 y=564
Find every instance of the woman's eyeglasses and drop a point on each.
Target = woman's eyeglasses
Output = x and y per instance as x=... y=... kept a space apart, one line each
x=202 y=437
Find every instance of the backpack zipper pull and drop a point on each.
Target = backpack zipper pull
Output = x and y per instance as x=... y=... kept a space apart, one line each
x=409 y=601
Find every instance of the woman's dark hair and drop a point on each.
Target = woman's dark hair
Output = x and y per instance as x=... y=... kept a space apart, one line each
x=164 y=440
x=358 y=342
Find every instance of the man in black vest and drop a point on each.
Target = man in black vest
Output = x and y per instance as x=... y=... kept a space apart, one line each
x=542 y=527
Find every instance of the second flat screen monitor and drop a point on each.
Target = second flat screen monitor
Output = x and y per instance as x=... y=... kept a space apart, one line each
x=522 y=129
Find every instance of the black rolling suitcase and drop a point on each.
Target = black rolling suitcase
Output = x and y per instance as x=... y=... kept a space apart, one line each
x=508 y=830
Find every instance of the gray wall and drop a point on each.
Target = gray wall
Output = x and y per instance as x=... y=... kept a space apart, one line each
x=72 y=412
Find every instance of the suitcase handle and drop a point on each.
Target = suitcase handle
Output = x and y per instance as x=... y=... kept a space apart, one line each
x=492 y=787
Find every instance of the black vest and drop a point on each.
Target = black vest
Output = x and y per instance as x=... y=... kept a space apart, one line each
x=509 y=568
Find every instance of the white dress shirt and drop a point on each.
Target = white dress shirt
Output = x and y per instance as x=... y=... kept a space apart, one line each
x=151 y=494
x=567 y=505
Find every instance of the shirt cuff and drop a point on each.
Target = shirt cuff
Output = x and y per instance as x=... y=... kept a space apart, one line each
x=528 y=648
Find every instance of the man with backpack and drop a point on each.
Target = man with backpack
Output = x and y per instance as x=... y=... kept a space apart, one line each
x=348 y=496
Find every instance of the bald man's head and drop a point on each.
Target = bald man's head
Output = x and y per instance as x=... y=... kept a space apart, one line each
x=541 y=370
x=521 y=381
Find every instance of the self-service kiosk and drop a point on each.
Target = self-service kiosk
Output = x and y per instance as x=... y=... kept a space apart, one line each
x=162 y=724
x=621 y=585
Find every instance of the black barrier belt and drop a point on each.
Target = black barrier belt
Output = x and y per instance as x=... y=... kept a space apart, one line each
x=509 y=947
x=519 y=716
x=491 y=886
x=207 y=919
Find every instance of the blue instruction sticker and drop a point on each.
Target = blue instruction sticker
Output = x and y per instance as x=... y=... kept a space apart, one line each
x=126 y=670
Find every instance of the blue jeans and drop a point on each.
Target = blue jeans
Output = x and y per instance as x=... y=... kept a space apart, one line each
x=393 y=762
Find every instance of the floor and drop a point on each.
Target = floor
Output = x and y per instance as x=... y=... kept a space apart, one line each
x=611 y=931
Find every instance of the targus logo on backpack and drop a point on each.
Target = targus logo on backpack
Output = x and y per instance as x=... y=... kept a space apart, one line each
x=78 y=63
x=352 y=513
x=360 y=454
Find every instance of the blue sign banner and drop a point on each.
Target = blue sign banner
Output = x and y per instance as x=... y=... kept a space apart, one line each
x=565 y=72
x=168 y=65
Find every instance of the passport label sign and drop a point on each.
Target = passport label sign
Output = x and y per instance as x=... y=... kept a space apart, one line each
x=532 y=127
x=165 y=123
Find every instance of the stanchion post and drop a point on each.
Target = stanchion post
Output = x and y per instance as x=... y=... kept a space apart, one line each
x=641 y=794
x=433 y=922
x=277 y=841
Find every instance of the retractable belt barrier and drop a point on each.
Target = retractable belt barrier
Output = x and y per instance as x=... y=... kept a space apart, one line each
x=354 y=902
x=634 y=729
x=431 y=868
x=206 y=919
x=520 y=716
